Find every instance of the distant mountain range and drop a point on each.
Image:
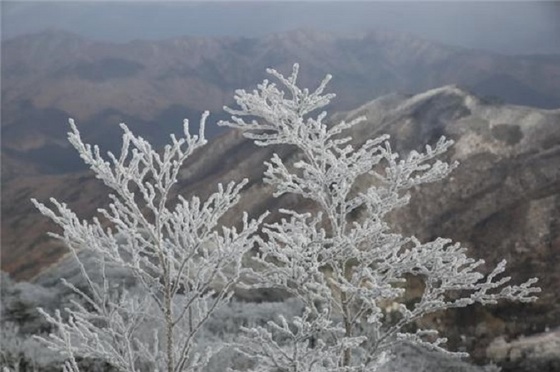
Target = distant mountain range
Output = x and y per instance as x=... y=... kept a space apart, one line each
x=152 y=85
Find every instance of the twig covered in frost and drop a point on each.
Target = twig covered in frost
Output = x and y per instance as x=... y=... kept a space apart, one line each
x=346 y=271
x=185 y=265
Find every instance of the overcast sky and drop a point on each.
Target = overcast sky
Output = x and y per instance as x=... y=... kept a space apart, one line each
x=504 y=27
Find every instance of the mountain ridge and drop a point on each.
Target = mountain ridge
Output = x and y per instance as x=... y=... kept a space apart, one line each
x=50 y=76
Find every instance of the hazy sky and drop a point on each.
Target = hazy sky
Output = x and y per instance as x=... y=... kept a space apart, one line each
x=505 y=27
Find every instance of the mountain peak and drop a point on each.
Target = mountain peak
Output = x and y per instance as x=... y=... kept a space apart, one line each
x=452 y=91
x=302 y=35
x=406 y=103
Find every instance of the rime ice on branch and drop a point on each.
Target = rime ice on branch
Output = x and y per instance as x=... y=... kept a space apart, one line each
x=348 y=272
x=185 y=264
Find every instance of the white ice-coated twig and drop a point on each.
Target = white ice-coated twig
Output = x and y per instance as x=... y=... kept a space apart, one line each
x=184 y=262
x=349 y=273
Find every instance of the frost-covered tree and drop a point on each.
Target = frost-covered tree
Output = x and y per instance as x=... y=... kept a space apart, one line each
x=184 y=263
x=349 y=273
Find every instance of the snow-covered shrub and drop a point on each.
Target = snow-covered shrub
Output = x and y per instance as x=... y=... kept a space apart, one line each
x=185 y=264
x=350 y=274
x=347 y=276
x=19 y=321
